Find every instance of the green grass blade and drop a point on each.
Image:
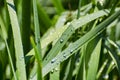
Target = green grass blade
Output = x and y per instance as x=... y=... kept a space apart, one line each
x=10 y=59
x=4 y=31
x=8 y=50
x=26 y=18
x=43 y=18
x=76 y=45
x=115 y=58
x=81 y=71
x=59 y=44
x=54 y=75
x=37 y=40
x=77 y=23
x=58 y=5
x=79 y=6
x=38 y=62
x=20 y=62
x=101 y=69
x=94 y=61
x=70 y=69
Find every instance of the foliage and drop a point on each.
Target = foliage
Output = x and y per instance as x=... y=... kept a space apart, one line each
x=59 y=39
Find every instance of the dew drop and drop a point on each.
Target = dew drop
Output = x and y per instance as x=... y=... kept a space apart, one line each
x=113 y=63
x=64 y=56
x=56 y=69
x=106 y=76
x=52 y=71
x=71 y=51
x=53 y=60
x=61 y=40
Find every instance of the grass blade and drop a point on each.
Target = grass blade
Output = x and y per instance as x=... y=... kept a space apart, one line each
x=26 y=18
x=17 y=41
x=76 y=45
x=37 y=40
x=114 y=57
x=77 y=23
x=94 y=61
x=43 y=18
x=59 y=44
x=79 y=6
x=11 y=63
x=58 y=5
x=8 y=50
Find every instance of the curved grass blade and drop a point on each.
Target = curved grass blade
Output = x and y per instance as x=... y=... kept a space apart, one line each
x=76 y=23
x=20 y=62
x=115 y=58
x=76 y=45
x=38 y=53
x=101 y=69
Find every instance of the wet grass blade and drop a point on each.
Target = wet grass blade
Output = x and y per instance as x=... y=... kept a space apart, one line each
x=20 y=62
x=54 y=75
x=76 y=45
x=76 y=23
x=59 y=44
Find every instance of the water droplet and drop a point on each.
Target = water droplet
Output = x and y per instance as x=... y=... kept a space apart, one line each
x=112 y=62
x=61 y=40
x=106 y=76
x=64 y=56
x=56 y=69
x=53 y=60
x=71 y=51
x=68 y=24
x=52 y=71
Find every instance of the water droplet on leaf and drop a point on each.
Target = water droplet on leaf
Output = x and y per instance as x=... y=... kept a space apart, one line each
x=61 y=40
x=53 y=60
x=106 y=76
x=52 y=71
x=71 y=51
